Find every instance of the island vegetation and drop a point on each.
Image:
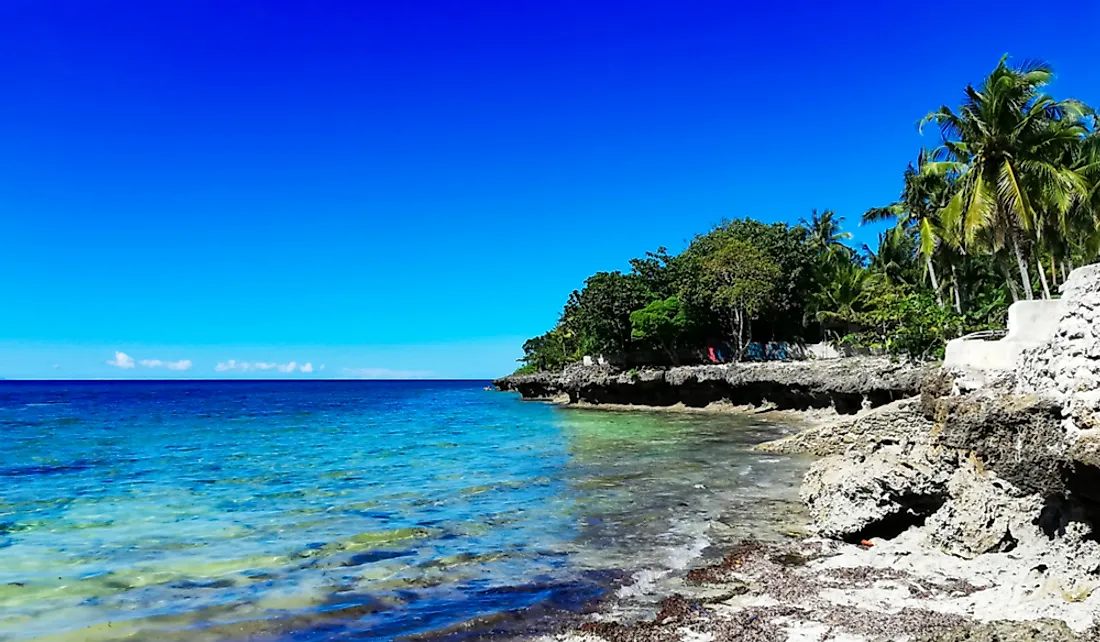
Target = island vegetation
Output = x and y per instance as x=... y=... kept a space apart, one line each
x=1000 y=210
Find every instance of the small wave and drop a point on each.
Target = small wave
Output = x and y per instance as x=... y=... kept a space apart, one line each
x=680 y=557
x=676 y=558
x=644 y=583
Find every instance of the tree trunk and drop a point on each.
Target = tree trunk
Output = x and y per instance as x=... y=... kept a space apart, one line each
x=1013 y=289
x=1042 y=275
x=742 y=342
x=1025 y=278
x=935 y=281
x=738 y=332
x=1065 y=272
x=958 y=290
x=672 y=357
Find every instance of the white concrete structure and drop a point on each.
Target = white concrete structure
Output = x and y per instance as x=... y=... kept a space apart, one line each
x=1030 y=324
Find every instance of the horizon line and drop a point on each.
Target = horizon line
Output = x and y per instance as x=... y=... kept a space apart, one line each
x=284 y=379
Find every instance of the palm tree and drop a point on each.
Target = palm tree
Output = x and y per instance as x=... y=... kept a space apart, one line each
x=923 y=196
x=1077 y=232
x=1006 y=147
x=894 y=259
x=825 y=235
x=843 y=297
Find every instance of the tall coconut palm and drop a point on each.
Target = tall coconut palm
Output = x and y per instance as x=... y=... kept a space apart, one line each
x=839 y=303
x=894 y=258
x=923 y=196
x=1078 y=230
x=1006 y=145
x=826 y=236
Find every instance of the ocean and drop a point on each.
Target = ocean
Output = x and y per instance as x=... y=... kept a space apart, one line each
x=364 y=510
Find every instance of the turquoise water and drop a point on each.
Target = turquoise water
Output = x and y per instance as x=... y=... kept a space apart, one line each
x=350 y=510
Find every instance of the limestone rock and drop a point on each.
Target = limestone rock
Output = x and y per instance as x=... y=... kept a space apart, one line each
x=898 y=422
x=1036 y=631
x=1018 y=436
x=983 y=515
x=859 y=496
x=1067 y=369
x=848 y=385
x=1086 y=450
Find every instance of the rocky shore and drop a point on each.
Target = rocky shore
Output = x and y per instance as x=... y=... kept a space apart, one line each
x=844 y=385
x=968 y=511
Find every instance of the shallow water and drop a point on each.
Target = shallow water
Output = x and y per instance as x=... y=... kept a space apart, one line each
x=351 y=510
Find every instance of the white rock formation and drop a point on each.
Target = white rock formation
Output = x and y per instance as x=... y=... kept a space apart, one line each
x=1067 y=368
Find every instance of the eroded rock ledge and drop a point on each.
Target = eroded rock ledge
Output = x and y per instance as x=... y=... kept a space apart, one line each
x=846 y=385
x=998 y=469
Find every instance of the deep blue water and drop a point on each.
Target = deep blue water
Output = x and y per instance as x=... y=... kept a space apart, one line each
x=349 y=510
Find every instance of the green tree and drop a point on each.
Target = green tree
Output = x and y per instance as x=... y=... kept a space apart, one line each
x=542 y=353
x=657 y=271
x=825 y=236
x=787 y=247
x=924 y=194
x=745 y=278
x=895 y=259
x=661 y=323
x=1007 y=145
x=601 y=311
x=842 y=299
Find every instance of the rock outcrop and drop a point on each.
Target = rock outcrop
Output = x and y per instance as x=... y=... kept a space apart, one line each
x=858 y=496
x=984 y=466
x=898 y=422
x=1067 y=369
x=847 y=385
x=1018 y=436
x=1037 y=631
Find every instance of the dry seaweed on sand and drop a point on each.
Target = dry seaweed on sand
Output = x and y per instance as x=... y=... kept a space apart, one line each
x=868 y=576
x=720 y=572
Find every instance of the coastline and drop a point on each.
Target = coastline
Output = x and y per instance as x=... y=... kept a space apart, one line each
x=959 y=505
x=846 y=386
x=882 y=589
x=818 y=590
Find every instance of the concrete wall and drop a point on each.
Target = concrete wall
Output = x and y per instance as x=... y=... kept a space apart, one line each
x=1033 y=321
x=1030 y=324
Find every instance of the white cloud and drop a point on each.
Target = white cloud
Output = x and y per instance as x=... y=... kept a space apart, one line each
x=125 y=361
x=122 y=360
x=184 y=364
x=263 y=366
x=386 y=373
x=232 y=365
x=322 y=367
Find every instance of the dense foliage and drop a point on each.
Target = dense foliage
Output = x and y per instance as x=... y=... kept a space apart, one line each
x=1001 y=210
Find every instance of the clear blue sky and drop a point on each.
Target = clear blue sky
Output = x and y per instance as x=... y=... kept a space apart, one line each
x=408 y=188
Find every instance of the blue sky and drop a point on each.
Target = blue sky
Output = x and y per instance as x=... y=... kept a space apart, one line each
x=412 y=188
